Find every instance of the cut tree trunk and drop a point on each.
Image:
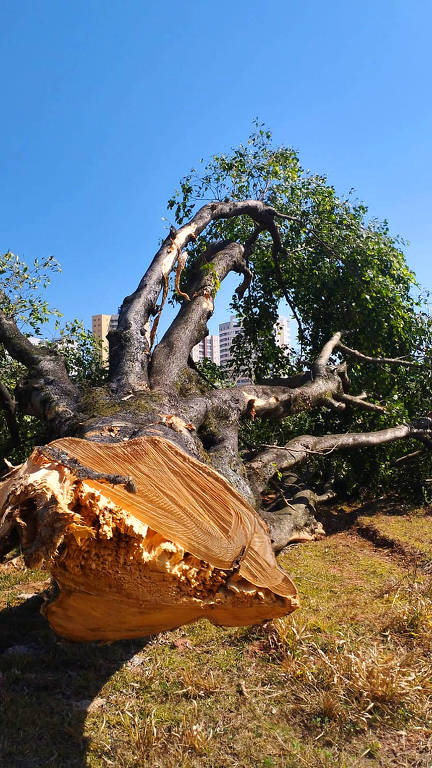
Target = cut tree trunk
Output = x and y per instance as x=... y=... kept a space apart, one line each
x=140 y=537
x=144 y=509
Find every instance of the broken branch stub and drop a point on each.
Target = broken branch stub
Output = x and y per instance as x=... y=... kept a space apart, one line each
x=129 y=561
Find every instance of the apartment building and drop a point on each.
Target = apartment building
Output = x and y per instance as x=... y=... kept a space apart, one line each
x=101 y=326
x=209 y=348
x=227 y=333
x=282 y=331
x=229 y=330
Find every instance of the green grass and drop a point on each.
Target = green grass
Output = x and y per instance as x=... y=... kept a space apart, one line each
x=345 y=682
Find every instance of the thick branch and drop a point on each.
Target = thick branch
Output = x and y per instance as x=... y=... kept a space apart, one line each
x=319 y=365
x=296 y=521
x=129 y=345
x=47 y=393
x=278 y=402
x=8 y=405
x=190 y=325
x=322 y=386
x=18 y=345
x=264 y=466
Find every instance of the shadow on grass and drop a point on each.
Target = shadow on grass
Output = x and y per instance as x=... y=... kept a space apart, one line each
x=336 y=519
x=46 y=686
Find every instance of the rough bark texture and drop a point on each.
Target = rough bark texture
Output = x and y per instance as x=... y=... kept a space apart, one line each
x=142 y=507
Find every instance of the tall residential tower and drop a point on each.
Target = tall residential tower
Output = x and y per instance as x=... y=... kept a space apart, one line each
x=101 y=325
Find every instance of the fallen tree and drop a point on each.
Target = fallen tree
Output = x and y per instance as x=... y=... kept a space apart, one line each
x=141 y=504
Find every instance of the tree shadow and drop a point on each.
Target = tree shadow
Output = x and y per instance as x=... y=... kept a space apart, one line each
x=46 y=687
x=336 y=519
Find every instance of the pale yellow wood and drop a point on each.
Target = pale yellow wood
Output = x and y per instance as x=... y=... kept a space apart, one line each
x=185 y=545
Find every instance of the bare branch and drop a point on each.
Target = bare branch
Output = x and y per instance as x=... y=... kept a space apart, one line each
x=408 y=457
x=324 y=386
x=319 y=365
x=359 y=402
x=381 y=360
x=263 y=466
x=328 y=495
x=334 y=405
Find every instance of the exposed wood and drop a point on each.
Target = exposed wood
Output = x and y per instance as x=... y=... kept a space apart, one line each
x=185 y=545
x=153 y=520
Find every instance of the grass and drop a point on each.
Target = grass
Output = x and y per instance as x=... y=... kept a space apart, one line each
x=410 y=532
x=346 y=682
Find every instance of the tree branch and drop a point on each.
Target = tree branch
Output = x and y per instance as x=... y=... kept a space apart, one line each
x=47 y=393
x=129 y=345
x=263 y=466
x=408 y=457
x=313 y=232
x=381 y=360
x=319 y=365
x=359 y=402
x=277 y=248
x=190 y=326
x=323 y=386
x=8 y=405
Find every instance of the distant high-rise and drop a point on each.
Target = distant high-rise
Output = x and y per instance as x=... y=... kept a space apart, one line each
x=227 y=333
x=282 y=330
x=101 y=326
x=229 y=330
x=207 y=348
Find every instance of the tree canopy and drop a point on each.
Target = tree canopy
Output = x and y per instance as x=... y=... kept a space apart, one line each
x=338 y=269
x=148 y=469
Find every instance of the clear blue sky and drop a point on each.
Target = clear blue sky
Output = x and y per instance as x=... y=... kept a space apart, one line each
x=105 y=105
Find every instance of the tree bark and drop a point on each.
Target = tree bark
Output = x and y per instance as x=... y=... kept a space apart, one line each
x=142 y=507
x=139 y=533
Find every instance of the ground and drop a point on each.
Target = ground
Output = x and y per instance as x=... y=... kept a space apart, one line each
x=345 y=682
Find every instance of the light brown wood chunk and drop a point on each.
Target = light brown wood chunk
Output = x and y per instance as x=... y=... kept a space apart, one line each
x=184 y=545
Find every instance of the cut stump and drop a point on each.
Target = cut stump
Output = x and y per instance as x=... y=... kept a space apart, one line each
x=140 y=538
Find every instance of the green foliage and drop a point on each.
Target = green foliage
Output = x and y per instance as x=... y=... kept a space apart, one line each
x=30 y=430
x=339 y=270
x=213 y=373
x=21 y=285
x=21 y=297
x=82 y=353
x=209 y=269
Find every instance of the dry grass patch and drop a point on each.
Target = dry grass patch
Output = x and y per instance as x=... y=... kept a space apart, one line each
x=409 y=533
x=345 y=683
